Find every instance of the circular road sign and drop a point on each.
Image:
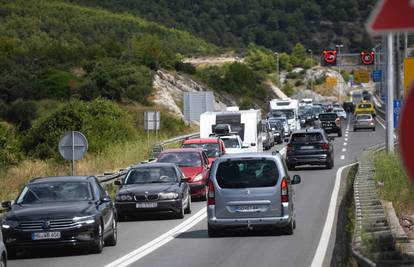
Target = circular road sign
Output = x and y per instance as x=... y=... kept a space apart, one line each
x=329 y=56
x=407 y=133
x=73 y=145
x=367 y=58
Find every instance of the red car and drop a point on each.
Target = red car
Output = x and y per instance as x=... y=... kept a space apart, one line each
x=193 y=162
x=214 y=147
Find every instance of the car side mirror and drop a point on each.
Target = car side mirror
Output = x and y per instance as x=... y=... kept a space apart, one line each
x=245 y=146
x=185 y=180
x=6 y=205
x=117 y=182
x=296 y=179
x=106 y=199
x=253 y=144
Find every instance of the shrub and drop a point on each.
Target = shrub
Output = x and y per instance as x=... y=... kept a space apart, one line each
x=185 y=67
x=288 y=89
x=9 y=152
x=21 y=113
x=102 y=122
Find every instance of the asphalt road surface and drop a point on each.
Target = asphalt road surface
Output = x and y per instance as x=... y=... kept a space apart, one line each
x=156 y=241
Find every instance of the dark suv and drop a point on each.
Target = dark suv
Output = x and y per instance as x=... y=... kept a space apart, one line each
x=331 y=123
x=309 y=147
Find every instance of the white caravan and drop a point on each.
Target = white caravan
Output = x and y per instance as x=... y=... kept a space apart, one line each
x=289 y=108
x=245 y=123
x=307 y=101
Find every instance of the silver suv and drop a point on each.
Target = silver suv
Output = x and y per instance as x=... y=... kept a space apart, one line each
x=250 y=190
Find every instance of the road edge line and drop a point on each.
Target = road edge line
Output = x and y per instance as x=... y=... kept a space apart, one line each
x=320 y=252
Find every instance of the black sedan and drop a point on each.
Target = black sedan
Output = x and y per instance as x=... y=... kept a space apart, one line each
x=310 y=147
x=60 y=211
x=154 y=187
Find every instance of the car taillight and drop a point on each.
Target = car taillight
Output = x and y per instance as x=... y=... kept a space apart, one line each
x=284 y=191
x=211 y=198
x=325 y=146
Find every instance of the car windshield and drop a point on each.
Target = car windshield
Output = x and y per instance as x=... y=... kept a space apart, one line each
x=275 y=124
x=364 y=106
x=182 y=159
x=317 y=110
x=247 y=173
x=306 y=137
x=327 y=117
x=212 y=149
x=151 y=175
x=363 y=117
x=338 y=110
x=289 y=114
x=231 y=143
x=55 y=192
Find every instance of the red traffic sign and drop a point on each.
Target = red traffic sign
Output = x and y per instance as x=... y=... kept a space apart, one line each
x=406 y=134
x=367 y=58
x=329 y=56
x=391 y=16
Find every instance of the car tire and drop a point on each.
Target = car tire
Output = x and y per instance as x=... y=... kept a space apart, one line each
x=340 y=133
x=373 y=129
x=204 y=196
x=355 y=129
x=289 y=229
x=180 y=212
x=113 y=238
x=188 y=208
x=212 y=232
x=99 y=242
x=330 y=164
x=291 y=167
x=3 y=262
x=120 y=217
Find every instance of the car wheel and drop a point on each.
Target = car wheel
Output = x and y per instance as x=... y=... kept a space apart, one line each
x=355 y=129
x=113 y=238
x=99 y=242
x=373 y=129
x=288 y=230
x=3 y=261
x=180 y=212
x=212 y=232
x=340 y=133
x=329 y=165
x=188 y=208
x=204 y=196
x=291 y=167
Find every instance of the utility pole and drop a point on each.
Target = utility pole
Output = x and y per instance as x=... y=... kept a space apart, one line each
x=405 y=45
x=397 y=67
x=277 y=69
x=390 y=95
x=311 y=78
x=339 y=46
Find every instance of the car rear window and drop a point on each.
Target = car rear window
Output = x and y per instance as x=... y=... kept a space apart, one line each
x=306 y=137
x=363 y=117
x=364 y=106
x=327 y=117
x=247 y=173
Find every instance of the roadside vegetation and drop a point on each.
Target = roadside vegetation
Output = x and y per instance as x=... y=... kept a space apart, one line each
x=394 y=184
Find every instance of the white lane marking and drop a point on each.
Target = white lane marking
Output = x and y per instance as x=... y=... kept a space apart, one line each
x=163 y=239
x=342 y=157
x=282 y=151
x=346 y=139
x=343 y=149
x=320 y=253
x=345 y=143
x=383 y=126
x=346 y=135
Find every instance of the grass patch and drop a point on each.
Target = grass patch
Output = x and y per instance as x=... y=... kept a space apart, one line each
x=395 y=186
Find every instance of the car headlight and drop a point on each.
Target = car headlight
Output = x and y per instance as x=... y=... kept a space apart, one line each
x=124 y=197
x=278 y=134
x=7 y=224
x=85 y=219
x=264 y=137
x=198 y=177
x=170 y=195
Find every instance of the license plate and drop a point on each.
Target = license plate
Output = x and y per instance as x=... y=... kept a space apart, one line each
x=46 y=235
x=306 y=147
x=146 y=205
x=248 y=208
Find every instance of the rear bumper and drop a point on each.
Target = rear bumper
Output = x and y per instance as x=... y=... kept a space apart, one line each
x=331 y=129
x=363 y=126
x=215 y=222
x=317 y=159
x=198 y=189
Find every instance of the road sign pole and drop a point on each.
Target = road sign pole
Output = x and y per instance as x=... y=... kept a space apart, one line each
x=390 y=95
x=73 y=153
x=405 y=45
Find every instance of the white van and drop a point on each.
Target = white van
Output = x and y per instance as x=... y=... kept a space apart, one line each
x=245 y=123
x=286 y=107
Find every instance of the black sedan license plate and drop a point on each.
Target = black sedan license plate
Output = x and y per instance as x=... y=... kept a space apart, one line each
x=46 y=235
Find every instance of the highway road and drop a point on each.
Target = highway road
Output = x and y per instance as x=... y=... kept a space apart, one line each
x=156 y=241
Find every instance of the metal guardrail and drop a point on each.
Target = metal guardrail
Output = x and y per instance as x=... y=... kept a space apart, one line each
x=109 y=177
x=374 y=243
